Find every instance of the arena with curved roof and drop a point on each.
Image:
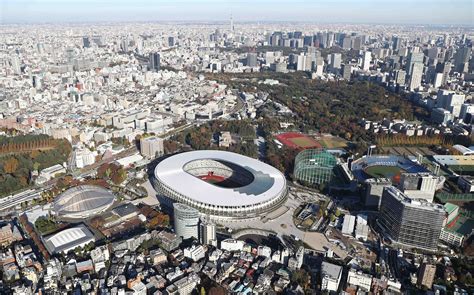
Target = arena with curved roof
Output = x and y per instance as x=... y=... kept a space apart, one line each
x=83 y=201
x=221 y=184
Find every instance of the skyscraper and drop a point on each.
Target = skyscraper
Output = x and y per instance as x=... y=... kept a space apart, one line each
x=366 y=59
x=335 y=62
x=413 y=57
x=416 y=75
x=461 y=59
x=15 y=64
x=154 y=62
x=252 y=59
x=86 y=42
x=207 y=232
x=410 y=223
x=170 y=41
x=186 y=221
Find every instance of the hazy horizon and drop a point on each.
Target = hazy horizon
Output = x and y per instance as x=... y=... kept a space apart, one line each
x=421 y=12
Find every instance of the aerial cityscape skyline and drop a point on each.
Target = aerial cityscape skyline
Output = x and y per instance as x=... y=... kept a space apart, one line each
x=421 y=12
x=236 y=147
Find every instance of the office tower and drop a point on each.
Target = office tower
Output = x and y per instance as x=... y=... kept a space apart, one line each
x=450 y=101
x=396 y=43
x=347 y=42
x=426 y=275
x=461 y=59
x=154 y=62
x=308 y=40
x=366 y=59
x=15 y=64
x=410 y=223
x=124 y=45
x=357 y=43
x=331 y=39
x=400 y=77
x=438 y=80
x=86 y=42
x=170 y=41
x=416 y=76
x=151 y=147
x=335 y=62
x=413 y=57
x=252 y=59
x=323 y=42
x=433 y=53
x=347 y=71
x=419 y=185
x=299 y=61
x=373 y=191
x=207 y=232
x=186 y=221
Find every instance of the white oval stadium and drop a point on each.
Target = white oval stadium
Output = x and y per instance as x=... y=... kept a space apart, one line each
x=83 y=201
x=221 y=184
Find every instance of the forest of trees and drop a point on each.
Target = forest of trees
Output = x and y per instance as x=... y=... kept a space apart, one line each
x=202 y=137
x=113 y=172
x=20 y=155
x=329 y=107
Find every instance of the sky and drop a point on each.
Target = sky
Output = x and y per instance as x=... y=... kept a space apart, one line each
x=428 y=12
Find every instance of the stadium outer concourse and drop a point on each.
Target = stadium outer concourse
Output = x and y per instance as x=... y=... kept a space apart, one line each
x=223 y=185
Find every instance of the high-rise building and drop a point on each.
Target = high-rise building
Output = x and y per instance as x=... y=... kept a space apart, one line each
x=426 y=275
x=86 y=42
x=410 y=223
x=450 y=101
x=396 y=43
x=207 y=232
x=400 y=77
x=413 y=58
x=366 y=60
x=170 y=41
x=347 y=71
x=151 y=147
x=347 y=42
x=186 y=221
x=335 y=62
x=461 y=59
x=419 y=185
x=374 y=190
x=252 y=59
x=416 y=76
x=15 y=64
x=154 y=62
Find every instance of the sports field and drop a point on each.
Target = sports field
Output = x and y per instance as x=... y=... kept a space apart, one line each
x=297 y=140
x=390 y=172
x=332 y=142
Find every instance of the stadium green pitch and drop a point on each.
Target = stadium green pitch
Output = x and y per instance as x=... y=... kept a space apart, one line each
x=390 y=172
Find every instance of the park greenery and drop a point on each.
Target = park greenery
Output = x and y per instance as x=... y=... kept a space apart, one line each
x=45 y=225
x=23 y=154
x=206 y=135
x=112 y=172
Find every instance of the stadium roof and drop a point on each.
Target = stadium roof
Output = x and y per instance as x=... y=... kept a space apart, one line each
x=82 y=200
x=69 y=239
x=268 y=181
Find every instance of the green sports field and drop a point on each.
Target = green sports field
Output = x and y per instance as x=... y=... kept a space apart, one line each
x=390 y=172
